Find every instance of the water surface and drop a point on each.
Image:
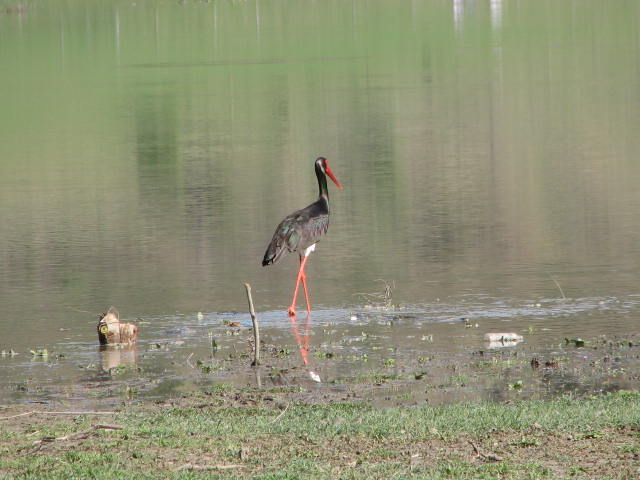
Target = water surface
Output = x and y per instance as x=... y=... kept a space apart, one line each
x=148 y=149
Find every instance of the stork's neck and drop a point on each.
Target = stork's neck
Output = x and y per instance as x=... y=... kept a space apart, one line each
x=323 y=191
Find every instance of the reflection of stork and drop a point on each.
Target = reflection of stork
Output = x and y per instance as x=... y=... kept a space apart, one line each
x=300 y=231
x=302 y=339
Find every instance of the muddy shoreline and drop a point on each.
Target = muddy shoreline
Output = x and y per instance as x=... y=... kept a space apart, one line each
x=354 y=362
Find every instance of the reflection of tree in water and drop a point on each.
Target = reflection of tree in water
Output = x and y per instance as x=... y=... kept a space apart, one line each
x=156 y=135
x=369 y=146
x=231 y=146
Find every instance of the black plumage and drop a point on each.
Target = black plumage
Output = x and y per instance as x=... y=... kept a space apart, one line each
x=304 y=227
x=299 y=231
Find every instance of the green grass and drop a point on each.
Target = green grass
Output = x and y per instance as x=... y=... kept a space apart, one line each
x=337 y=440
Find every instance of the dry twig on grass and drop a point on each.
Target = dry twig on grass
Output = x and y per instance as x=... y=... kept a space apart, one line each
x=281 y=414
x=45 y=412
x=83 y=435
x=190 y=466
x=489 y=457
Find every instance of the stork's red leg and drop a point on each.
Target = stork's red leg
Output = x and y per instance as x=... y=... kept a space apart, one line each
x=292 y=308
x=306 y=291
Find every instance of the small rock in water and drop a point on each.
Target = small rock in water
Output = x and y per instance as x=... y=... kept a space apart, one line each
x=354 y=318
x=314 y=376
x=503 y=337
x=200 y=316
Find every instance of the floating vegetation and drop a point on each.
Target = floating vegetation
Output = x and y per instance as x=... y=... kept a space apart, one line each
x=42 y=353
x=280 y=352
x=208 y=367
x=130 y=392
x=213 y=343
x=120 y=370
x=469 y=324
x=578 y=342
x=357 y=358
x=373 y=378
x=324 y=355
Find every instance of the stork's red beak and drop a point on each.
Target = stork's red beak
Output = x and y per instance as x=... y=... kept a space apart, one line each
x=332 y=176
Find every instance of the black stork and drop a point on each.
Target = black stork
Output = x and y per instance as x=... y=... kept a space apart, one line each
x=300 y=231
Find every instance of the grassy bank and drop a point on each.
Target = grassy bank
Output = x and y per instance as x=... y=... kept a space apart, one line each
x=232 y=434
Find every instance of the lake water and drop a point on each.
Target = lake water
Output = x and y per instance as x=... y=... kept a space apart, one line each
x=489 y=153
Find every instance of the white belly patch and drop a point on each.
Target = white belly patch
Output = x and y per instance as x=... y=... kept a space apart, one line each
x=309 y=249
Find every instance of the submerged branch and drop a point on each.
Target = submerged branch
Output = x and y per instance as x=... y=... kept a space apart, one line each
x=559 y=287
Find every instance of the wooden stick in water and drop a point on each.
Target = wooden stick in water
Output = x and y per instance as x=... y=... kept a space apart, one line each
x=256 y=328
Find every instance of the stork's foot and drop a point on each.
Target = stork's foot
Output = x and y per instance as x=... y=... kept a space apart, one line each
x=292 y=311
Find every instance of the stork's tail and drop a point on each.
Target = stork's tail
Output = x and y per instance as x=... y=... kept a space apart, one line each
x=275 y=250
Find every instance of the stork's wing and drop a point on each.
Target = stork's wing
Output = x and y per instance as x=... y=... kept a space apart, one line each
x=295 y=233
